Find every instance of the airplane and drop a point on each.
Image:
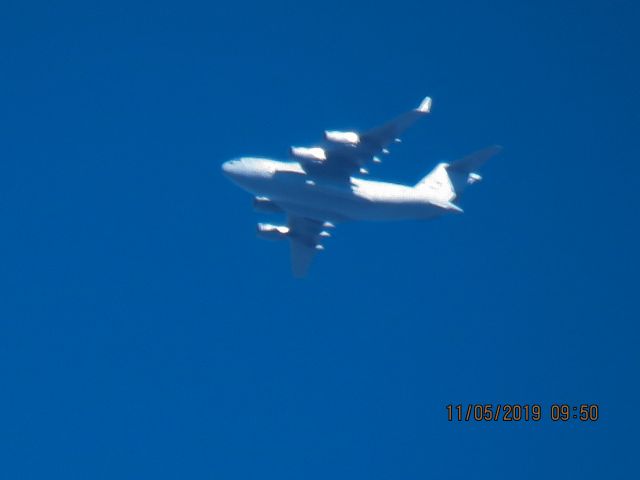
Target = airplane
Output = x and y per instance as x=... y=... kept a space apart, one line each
x=318 y=188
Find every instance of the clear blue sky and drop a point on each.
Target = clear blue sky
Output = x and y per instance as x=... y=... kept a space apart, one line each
x=146 y=333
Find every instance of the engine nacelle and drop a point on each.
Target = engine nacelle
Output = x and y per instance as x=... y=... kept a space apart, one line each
x=264 y=205
x=348 y=138
x=272 y=232
x=314 y=154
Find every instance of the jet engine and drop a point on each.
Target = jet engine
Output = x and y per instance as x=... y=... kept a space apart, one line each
x=264 y=205
x=315 y=154
x=272 y=232
x=348 y=138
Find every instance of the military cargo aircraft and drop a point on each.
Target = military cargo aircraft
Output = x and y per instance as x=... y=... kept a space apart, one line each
x=321 y=186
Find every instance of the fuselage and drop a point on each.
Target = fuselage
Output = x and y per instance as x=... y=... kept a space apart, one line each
x=289 y=186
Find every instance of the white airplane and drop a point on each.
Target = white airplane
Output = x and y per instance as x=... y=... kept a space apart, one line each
x=317 y=189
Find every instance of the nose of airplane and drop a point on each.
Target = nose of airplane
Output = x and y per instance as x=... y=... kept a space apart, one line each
x=231 y=167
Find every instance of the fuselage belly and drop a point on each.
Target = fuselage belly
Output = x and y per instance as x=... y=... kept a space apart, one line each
x=322 y=199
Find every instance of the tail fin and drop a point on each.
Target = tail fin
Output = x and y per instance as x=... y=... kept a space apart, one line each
x=448 y=180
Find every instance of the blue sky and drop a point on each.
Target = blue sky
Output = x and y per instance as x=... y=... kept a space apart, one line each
x=146 y=332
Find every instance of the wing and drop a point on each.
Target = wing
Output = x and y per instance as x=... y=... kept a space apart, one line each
x=382 y=136
x=305 y=235
x=343 y=154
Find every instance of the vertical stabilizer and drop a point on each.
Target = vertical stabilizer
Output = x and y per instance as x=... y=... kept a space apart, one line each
x=439 y=183
x=448 y=180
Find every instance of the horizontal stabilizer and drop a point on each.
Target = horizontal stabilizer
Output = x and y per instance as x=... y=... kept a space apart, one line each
x=448 y=180
x=475 y=160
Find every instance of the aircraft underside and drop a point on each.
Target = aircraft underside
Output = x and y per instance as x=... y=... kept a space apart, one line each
x=330 y=203
x=322 y=185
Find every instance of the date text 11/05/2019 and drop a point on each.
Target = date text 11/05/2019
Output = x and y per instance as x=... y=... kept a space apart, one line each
x=514 y=412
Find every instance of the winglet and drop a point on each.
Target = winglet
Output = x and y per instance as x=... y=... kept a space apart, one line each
x=425 y=105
